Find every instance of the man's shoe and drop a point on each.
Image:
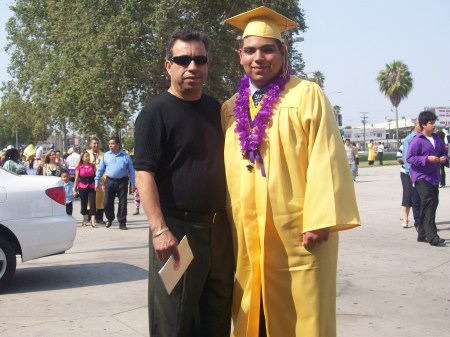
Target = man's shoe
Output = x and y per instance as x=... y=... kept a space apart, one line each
x=437 y=241
x=123 y=227
x=101 y=221
x=422 y=239
x=108 y=224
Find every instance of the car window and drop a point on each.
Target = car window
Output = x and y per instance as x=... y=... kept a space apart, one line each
x=5 y=170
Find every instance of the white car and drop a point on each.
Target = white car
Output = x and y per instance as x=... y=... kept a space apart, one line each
x=33 y=220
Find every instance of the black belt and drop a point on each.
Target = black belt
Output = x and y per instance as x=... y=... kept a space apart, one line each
x=117 y=179
x=87 y=180
x=211 y=218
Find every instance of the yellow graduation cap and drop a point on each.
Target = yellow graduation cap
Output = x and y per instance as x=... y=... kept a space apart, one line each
x=262 y=22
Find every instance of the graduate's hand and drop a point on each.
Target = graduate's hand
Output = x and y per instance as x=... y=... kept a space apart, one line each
x=433 y=159
x=442 y=160
x=314 y=238
x=166 y=245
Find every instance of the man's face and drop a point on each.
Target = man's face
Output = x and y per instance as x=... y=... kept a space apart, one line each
x=429 y=128
x=186 y=81
x=417 y=126
x=261 y=58
x=347 y=142
x=113 y=146
x=94 y=145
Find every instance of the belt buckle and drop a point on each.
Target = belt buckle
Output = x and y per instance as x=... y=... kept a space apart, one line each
x=216 y=214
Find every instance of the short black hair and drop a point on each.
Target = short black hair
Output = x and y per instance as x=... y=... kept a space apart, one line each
x=425 y=117
x=346 y=139
x=12 y=154
x=185 y=35
x=115 y=139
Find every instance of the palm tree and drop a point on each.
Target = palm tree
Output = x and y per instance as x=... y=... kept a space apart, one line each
x=395 y=82
x=337 y=112
x=318 y=77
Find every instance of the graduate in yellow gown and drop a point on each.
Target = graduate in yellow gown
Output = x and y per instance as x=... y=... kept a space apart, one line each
x=290 y=190
x=371 y=153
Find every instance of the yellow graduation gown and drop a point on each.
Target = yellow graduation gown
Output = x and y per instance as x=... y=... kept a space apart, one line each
x=371 y=156
x=308 y=186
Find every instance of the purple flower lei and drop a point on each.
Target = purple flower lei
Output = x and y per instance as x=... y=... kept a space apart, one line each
x=253 y=133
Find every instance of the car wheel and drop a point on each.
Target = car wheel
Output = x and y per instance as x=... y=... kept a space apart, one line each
x=7 y=262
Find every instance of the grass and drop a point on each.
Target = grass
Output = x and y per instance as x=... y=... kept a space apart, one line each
x=388 y=159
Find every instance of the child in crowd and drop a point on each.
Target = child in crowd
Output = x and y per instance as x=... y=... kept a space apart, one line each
x=68 y=186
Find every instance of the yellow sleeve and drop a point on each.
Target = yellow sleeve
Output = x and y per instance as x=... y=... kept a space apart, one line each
x=330 y=199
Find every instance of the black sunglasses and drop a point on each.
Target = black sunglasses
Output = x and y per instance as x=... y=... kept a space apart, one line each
x=185 y=60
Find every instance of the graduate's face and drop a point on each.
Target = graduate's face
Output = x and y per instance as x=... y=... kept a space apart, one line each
x=417 y=128
x=261 y=58
x=186 y=81
x=94 y=145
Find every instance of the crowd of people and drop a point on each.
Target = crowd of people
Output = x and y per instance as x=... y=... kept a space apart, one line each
x=80 y=176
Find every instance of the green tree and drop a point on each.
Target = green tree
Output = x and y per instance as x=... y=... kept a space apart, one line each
x=395 y=81
x=90 y=65
x=315 y=76
x=318 y=77
x=337 y=114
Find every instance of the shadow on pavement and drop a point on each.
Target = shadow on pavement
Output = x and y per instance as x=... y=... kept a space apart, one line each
x=47 y=278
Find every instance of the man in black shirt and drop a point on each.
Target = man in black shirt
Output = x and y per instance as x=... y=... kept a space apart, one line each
x=180 y=176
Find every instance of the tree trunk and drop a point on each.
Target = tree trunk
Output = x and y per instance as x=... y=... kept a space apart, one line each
x=396 y=126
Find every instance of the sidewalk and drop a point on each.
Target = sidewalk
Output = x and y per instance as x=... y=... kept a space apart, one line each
x=388 y=284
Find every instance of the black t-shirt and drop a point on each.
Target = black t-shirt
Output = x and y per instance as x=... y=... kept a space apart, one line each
x=182 y=143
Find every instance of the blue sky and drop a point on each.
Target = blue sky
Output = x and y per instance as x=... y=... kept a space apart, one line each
x=350 y=41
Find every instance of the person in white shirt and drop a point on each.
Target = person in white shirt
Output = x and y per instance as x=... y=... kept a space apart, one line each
x=72 y=162
x=350 y=150
x=380 y=150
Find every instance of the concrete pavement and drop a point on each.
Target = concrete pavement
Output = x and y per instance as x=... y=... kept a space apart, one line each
x=388 y=284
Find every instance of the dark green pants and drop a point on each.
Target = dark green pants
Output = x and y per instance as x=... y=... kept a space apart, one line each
x=200 y=304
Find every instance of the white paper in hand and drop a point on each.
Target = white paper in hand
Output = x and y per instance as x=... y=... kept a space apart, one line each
x=169 y=275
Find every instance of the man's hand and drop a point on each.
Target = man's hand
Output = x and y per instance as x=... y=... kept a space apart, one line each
x=314 y=238
x=133 y=188
x=166 y=245
x=433 y=159
x=442 y=160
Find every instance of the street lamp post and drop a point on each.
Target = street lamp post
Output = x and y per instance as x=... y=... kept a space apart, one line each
x=364 y=121
x=334 y=92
